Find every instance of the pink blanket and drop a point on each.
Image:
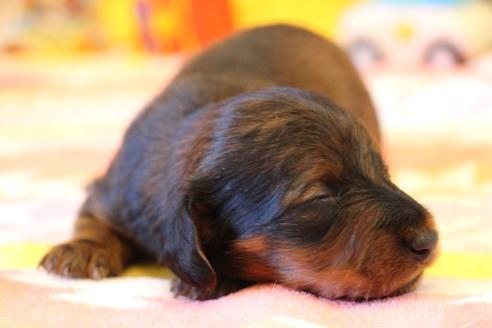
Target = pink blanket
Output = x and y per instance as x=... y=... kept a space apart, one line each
x=38 y=300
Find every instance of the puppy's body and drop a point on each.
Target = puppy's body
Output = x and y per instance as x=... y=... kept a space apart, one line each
x=243 y=171
x=285 y=56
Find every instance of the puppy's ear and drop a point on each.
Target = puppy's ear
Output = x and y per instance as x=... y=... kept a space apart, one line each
x=189 y=262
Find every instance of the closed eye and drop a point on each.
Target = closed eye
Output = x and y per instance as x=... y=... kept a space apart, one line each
x=314 y=192
x=325 y=197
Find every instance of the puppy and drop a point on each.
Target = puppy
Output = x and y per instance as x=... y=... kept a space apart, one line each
x=260 y=162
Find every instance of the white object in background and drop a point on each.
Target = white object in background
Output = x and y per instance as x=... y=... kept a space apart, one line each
x=413 y=36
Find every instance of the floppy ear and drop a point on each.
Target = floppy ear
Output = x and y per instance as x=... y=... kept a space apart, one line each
x=188 y=260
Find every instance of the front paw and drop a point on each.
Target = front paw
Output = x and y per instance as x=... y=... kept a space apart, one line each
x=182 y=289
x=81 y=259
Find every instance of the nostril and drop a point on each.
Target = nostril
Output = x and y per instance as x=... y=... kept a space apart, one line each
x=423 y=244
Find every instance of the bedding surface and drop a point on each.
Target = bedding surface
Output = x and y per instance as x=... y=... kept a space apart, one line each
x=61 y=122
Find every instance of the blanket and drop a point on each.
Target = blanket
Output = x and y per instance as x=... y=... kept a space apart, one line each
x=438 y=145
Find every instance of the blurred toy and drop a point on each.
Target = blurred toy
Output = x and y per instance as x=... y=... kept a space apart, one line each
x=70 y=26
x=47 y=25
x=412 y=34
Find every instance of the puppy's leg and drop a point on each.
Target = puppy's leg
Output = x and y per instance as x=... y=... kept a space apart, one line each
x=96 y=251
x=224 y=287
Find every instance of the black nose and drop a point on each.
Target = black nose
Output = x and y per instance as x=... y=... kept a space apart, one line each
x=423 y=244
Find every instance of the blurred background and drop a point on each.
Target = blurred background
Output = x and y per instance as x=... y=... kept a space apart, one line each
x=73 y=73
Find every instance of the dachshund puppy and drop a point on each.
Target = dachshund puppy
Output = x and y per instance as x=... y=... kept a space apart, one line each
x=260 y=162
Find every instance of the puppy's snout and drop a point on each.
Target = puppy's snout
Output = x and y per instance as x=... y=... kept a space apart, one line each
x=423 y=244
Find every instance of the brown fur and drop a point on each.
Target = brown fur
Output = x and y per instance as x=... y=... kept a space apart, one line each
x=260 y=162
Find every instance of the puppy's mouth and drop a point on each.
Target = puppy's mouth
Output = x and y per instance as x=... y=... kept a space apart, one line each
x=408 y=287
x=357 y=297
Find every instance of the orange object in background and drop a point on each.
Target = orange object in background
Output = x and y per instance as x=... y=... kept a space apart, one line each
x=164 y=26
x=212 y=20
x=177 y=25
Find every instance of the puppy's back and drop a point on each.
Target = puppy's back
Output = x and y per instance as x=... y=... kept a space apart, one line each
x=285 y=55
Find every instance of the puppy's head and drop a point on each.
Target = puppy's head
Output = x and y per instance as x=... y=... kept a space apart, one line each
x=293 y=189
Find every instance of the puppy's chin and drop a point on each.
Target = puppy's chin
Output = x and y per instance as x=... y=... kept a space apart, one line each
x=384 y=293
x=364 y=291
